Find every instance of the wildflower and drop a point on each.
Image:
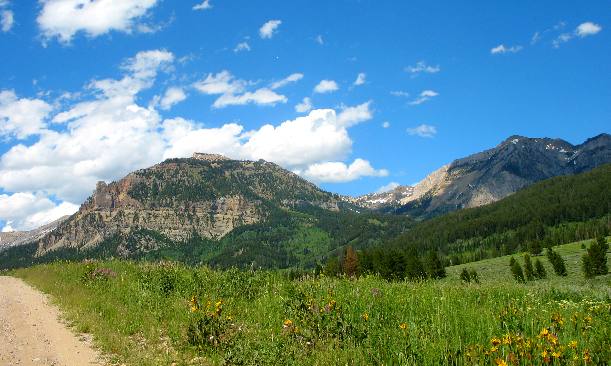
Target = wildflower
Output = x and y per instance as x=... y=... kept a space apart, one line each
x=573 y=344
x=501 y=362
x=493 y=349
x=288 y=323
x=544 y=353
x=544 y=333
x=556 y=354
x=507 y=339
x=365 y=316
x=495 y=341
x=586 y=356
x=403 y=326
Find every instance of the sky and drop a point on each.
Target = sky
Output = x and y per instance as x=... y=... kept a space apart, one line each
x=353 y=95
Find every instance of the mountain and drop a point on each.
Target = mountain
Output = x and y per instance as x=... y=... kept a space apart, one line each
x=210 y=209
x=491 y=175
x=15 y=238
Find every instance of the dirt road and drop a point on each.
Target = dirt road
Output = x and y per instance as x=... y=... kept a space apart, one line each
x=32 y=334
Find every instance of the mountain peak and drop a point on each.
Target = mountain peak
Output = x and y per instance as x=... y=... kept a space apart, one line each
x=209 y=157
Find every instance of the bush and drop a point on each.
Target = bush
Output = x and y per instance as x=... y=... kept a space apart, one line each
x=469 y=276
x=557 y=262
x=434 y=266
x=595 y=261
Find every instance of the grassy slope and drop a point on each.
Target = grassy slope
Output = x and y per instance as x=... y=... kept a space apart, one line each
x=141 y=315
x=497 y=269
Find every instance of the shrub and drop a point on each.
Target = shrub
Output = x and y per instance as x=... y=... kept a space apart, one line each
x=434 y=266
x=529 y=271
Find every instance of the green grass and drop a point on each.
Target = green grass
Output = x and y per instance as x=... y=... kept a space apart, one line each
x=141 y=314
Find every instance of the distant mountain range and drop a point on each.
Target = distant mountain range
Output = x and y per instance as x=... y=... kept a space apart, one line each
x=210 y=209
x=491 y=175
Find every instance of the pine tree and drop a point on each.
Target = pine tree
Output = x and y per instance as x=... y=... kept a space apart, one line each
x=516 y=270
x=595 y=261
x=435 y=268
x=474 y=276
x=557 y=262
x=528 y=268
x=534 y=247
x=332 y=267
x=465 y=276
x=539 y=269
x=414 y=270
x=350 y=265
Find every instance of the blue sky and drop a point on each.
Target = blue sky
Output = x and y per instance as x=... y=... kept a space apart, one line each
x=92 y=90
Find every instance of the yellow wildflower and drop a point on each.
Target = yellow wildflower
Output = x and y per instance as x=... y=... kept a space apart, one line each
x=495 y=341
x=288 y=323
x=544 y=353
x=365 y=316
x=501 y=362
x=403 y=326
x=544 y=332
x=573 y=344
x=556 y=354
x=586 y=356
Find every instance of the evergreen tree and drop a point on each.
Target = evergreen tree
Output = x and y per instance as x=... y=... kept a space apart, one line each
x=465 y=276
x=414 y=270
x=435 y=268
x=539 y=269
x=557 y=262
x=350 y=263
x=529 y=271
x=474 y=276
x=534 y=247
x=595 y=261
x=516 y=270
x=332 y=267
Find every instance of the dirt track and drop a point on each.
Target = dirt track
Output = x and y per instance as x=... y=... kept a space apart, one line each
x=31 y=332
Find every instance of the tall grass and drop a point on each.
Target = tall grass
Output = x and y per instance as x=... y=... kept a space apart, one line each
x=158 y=314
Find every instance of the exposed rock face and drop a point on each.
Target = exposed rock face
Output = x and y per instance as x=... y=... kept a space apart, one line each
x=491 y=175
x=207 y=195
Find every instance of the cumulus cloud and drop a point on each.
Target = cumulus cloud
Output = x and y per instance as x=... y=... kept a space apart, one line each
x=305 y=106
x=25 y=211
x=350 y=116
x=338 y=172
x=360 y=79
x=385 y=124
x=293 y=78
x=172 y=96
x=502 y=49
x=583 y=30
x=65 y=18
x=205 y=5
x=424 y=96
x=388 y=187
x=326 y=86
x=422 y=67
x=21 y=117
x=106 y=134
x=423 y=130
x=233 y=91
x=242 y=46
x=268 y=29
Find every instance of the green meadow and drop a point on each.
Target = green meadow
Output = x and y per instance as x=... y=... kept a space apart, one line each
x=167 y=313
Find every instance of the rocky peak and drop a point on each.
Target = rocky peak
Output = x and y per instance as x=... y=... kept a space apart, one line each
x=209 y=157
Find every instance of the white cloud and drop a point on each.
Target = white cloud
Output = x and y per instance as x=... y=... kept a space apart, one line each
x=423 y=130
x=242 y=46
x=388 y=187
x=293 y=78
x=7 y=19
x=326 y=86
x=587 y=29
x=360 y=79
x=385 y=124
x=338 y=172
x=583 y=30
x=232 y=91
x=65 y=18
x=268 y=29
x=205 y=5
x=26 y=211
x=172 y=96
x=501 y=49
x=350 y=116
x=319 y=39
x=399 y=93
x=21 y=117
x=422 y=67
x=305 y=106
x=424 y=96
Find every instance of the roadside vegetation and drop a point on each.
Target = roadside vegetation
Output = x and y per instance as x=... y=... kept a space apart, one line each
x=164 y=313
